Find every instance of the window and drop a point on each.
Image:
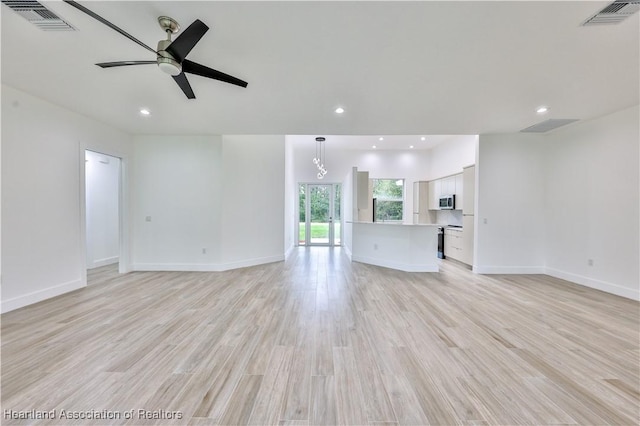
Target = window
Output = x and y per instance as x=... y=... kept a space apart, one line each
x=389 y=196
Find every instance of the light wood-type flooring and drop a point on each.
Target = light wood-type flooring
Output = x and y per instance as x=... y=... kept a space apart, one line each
x=318 y=340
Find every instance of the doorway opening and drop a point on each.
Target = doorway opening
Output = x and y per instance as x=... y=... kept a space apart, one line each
x=102 y=214
x=319 y=215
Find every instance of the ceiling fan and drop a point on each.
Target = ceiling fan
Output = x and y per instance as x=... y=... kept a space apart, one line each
x=171 y=55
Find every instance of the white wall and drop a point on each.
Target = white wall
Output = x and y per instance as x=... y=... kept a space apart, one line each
x=592 y=203
x=555 y=201
x=410 y=165
x=215 y=202
x=449 y=157
x=253 y=199
x=510 y=197
x=43 y=248
x=290 y=197
x=177 y=185
x=102 y=187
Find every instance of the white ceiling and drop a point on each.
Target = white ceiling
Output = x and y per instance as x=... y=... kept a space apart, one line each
x=398 y=68
x=366 y=143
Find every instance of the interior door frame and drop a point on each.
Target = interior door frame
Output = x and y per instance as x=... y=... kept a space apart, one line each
x=124 y=262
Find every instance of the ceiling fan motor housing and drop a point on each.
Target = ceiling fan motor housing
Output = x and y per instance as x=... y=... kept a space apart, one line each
x=166 y=62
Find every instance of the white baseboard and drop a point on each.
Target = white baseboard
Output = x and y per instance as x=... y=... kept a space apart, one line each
x=103 y=262
x=40 y=295
x=288 y=251
x=607 y=287
x=424 y=267
x=251 y=262
x=348 y=253
x=206 y=267
x=508 y=269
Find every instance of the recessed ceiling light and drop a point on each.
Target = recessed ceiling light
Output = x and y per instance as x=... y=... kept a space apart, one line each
x=542 y=109
x=374 y=147
x=423 y=138
x=145 y=111
x=410 y=146
x=381 y=138
x=339 y=110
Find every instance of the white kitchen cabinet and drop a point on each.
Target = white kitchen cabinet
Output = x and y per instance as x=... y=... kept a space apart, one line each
x=420 y=196
x=468 y=208
x=421 y=202
x=467 y=240
x=448 y=185
x=469 y=185
x=459 y=191
x=453 y=244
x=434 y=194
x=362 y=190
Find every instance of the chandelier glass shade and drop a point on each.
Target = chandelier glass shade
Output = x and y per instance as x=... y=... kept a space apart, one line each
x=319 y=158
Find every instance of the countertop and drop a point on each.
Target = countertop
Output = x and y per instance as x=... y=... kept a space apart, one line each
x=396 y=224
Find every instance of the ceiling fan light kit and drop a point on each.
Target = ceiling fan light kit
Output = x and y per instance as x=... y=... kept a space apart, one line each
x=170 y=55
x=166 y=62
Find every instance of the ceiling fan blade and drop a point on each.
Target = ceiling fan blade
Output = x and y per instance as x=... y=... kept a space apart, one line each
x=201 y=70
x=124 y=63
x=182 y=81
x=182 y=45
x=107 y=23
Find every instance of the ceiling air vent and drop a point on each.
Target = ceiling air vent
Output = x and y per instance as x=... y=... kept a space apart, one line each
x=548 y=125
x=614 y=13
x=38 y=15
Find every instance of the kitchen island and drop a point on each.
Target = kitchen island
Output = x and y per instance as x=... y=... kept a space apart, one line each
x=406 y=247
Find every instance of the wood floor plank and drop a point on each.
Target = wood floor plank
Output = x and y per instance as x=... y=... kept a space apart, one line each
x=378 y=404
x=296 y=402
x=323 y=401
x=323 y=350
x=271 y=395
x=588 y=398
x=216 y=398
x=350 y=400
x=318 y=339
x=241 y=401
x=404 y=401
x=435 y=404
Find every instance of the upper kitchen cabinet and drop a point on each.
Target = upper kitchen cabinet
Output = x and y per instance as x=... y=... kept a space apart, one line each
x=459 y=191
x=469 y=184
x=448 y=185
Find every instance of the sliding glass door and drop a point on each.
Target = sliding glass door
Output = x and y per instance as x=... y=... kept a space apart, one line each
x=319 y=223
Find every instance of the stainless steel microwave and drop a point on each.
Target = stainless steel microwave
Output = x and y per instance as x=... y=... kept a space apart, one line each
x=447 y=202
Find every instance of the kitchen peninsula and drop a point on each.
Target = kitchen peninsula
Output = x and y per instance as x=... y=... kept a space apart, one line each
x=403 y=246
x=406 y=247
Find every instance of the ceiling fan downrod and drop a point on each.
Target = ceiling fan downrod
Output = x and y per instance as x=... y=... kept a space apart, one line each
x=166 y=62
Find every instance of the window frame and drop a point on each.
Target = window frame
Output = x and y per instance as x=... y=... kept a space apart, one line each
x=387 y=199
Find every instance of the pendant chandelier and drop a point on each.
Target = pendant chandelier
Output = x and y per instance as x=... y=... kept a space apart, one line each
x=318 y=160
